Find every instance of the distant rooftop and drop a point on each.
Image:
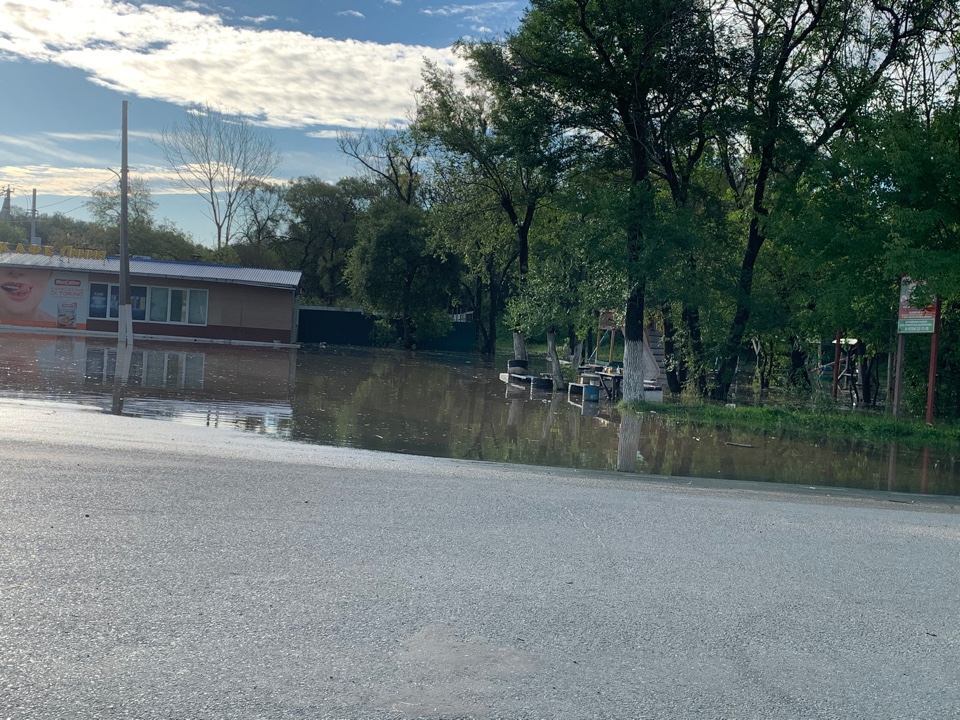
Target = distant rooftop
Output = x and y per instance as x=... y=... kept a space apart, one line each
x=167 y=269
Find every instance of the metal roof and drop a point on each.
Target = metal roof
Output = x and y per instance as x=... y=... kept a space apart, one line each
x=167 y=269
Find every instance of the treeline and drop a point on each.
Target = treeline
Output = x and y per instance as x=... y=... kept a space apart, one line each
x=748 y=176
x=148 y=236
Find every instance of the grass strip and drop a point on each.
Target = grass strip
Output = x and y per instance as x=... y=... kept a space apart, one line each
x=816 y=424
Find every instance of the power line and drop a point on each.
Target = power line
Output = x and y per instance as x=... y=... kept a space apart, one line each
x=74 y=197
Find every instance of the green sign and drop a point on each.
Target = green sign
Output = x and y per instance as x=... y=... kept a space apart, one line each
x=915 y=325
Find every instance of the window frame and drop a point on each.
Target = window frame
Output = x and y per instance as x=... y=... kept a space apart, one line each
x=188 y=298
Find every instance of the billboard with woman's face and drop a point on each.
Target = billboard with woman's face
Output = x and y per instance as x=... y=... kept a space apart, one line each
x=40 y=297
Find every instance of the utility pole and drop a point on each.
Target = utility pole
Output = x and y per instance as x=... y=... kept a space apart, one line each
x=125 y=311
x=34 y=240
x=5 y=211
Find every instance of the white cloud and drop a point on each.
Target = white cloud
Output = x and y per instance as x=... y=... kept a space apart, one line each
x=351 y=13
x=279 y=78
x=474 y=11
x=98 y=137
x=259 y=20
x=393 y=2
x=324 y=134
x=79 y=181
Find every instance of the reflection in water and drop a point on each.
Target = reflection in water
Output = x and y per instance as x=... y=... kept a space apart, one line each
x=434 y=405
x=628 y=445
x=122 y=376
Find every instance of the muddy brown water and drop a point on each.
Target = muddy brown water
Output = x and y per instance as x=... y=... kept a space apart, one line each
x=451 y=406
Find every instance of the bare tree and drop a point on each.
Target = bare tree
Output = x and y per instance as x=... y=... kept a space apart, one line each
x=220 y=157
x=393 y=158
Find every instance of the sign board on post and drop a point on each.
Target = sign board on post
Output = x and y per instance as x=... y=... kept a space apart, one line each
x=911 y=319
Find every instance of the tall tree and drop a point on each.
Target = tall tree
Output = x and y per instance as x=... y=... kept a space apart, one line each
x=471 y=225
x=807 y=68
x=221 y=157
x=321 y=231
x=390 y=158
x=617 y=75
x=394 y=272
x=493 y=145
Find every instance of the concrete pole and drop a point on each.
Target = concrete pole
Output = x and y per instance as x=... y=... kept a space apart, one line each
x=125 y=311
x=34 y=240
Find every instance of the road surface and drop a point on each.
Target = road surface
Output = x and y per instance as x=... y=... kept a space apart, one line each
x=158 y=570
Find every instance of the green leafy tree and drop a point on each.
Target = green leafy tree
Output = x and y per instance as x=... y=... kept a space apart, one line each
x=471 y=226
x=620 y=77
x=881 y=205
x=807 y=70
x=13 y=233
x=320 y=233
x=500 y=151
x=394 y=272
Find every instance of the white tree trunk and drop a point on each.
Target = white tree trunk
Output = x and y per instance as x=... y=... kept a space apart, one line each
x=519 y=346
x=629 y=442
x=633 y=371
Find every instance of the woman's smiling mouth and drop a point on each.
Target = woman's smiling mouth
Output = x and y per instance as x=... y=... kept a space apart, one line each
x=17 y=290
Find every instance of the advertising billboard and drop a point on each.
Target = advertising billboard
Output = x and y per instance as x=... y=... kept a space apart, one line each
x=43 y=297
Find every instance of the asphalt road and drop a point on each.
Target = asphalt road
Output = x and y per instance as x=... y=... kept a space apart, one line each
x=156 y=570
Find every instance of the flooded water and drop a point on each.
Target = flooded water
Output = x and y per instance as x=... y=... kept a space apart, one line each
x=443 y=406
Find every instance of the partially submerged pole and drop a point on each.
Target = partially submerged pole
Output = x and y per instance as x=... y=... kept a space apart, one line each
x=898 y=376
x=932 y=374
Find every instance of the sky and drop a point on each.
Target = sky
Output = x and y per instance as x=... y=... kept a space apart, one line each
x=300 y=70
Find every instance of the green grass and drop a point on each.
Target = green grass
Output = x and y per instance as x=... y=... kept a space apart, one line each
x=816 y=424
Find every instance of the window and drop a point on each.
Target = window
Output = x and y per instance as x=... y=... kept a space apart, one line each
x=156 y=304
x=178 y=305
x=105 y=301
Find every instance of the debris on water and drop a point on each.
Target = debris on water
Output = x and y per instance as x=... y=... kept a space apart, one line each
x=743 y=445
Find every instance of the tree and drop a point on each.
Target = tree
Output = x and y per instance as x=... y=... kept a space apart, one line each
x=621 y=77
x=471 y=225
x=393 y=271
x=104 y=205
x=392 y=159
x=808 y=67
x=220 y=157
x=574 y=277
x=13 y=234
x=321 y=231
x=492 y=146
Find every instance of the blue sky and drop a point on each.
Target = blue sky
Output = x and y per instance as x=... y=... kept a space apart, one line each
x=300 y=69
